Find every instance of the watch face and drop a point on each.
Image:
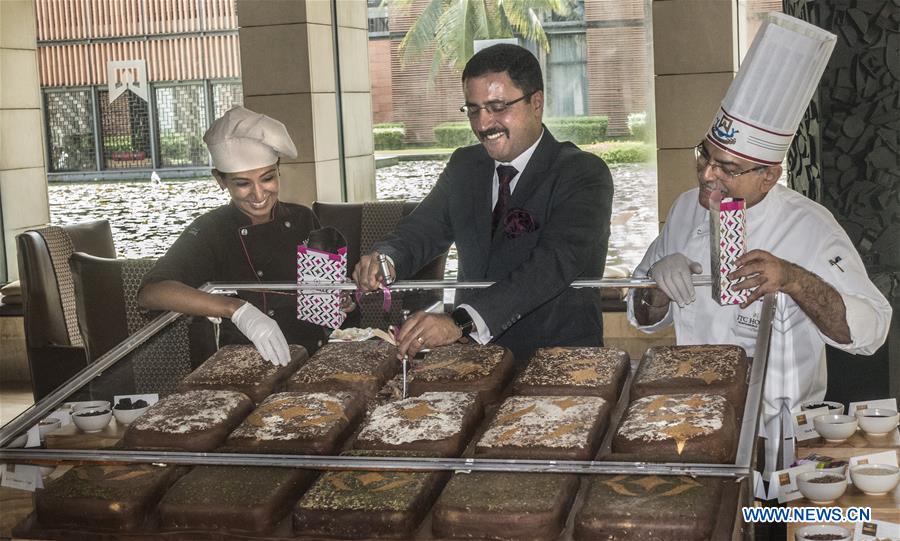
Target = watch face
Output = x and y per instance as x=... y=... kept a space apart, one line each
x=463 y=320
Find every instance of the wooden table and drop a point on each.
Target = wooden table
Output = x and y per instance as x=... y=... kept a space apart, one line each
x=886 y=508
x=70 y=437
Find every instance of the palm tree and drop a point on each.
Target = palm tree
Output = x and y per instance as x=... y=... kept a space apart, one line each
x=452 y=26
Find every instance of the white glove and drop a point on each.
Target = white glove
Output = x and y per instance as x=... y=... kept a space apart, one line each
x=263 y=332
x=673 y=276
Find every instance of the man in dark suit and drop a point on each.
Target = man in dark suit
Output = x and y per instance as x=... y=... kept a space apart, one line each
x=526 y=212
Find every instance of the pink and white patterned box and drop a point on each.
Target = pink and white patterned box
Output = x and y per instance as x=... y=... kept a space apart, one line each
x=728 y=242
x=321 y=307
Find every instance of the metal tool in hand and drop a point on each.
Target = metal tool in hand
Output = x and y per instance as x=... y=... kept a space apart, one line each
x=386 y=277
x=405 y=362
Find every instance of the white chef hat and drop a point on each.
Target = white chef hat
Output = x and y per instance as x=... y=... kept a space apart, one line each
x=767 y=99
x=241 y=140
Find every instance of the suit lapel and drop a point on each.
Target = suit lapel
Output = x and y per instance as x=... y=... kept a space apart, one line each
x=481 y=184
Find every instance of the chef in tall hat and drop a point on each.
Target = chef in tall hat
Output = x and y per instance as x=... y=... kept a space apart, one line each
x=252 y=239
x=795 y=246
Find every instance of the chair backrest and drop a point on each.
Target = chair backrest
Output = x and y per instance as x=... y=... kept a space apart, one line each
x=52 y=339
x=362 y=224
x=106 y=293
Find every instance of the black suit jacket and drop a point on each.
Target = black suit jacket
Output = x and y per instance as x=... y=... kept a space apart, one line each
x=568 y=194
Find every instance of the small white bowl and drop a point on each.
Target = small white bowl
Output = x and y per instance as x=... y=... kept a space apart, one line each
x=877 y=421
x=835 y=408
x=820 y=487
x=91 y=423
x=77 y=406
x=126 y=417
x=806 y=532
x=48 y=425
x=835 y=428
x=875 y=479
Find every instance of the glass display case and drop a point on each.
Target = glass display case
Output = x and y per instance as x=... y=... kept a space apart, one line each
x=70 y=445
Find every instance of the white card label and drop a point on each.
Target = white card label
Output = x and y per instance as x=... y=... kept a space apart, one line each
x=876 y=530
x=783 y=483
x=886 y=403
x=803 y=423
x=22 y=477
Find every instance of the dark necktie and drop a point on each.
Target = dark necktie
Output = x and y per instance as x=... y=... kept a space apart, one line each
x=505 y=174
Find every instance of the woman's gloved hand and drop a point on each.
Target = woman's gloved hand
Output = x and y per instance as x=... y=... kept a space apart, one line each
x=673 y=276
x=264 y=332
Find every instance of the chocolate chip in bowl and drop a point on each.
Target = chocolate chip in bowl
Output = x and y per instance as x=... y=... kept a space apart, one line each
x=91 y=420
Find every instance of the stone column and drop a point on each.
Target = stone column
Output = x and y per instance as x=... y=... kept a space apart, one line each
x=695 y=57
x=23 y=176
x=288 y=68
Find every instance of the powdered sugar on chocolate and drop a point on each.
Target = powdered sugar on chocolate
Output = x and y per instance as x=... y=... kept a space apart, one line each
x=349 y=360
x=707 y=362
x=546 y=421
x=191 y=411
x=578 y=366
x=678 y=417
x=429 y=417
x=235 y=365
x=290 y=416
x=457 y=362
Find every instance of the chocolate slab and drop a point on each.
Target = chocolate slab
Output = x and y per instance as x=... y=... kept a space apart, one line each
x=483 y=369
x=574 y=371
x=357 y=367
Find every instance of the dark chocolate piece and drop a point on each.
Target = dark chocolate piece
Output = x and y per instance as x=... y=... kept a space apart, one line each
x=357 y=367
x=466 y=368
x=574 y=371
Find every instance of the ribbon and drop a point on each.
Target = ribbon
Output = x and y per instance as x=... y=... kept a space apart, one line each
x=386 y=292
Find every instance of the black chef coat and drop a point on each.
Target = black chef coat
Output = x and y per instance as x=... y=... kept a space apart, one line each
x=223 y=246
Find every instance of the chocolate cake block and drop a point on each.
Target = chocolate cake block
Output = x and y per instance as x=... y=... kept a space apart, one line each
x=488 y=505
x=358 y=367
x=119 y=497
x=190 y=421
x=439 y=424
x=234 y=498
x=678 y=428
x=693 y=369
x=242 y=368
x=364 y=504
x=546 y=427
x=574 y=371
x=298 y=423
x=468 y=368
x=649 y=508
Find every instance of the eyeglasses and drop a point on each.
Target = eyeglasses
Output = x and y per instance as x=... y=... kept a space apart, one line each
x=492 y=107
x=721 y=170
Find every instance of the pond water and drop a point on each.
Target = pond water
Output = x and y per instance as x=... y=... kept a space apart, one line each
x=146 y=218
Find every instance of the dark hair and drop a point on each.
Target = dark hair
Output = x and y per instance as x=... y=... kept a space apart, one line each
x=518 y=62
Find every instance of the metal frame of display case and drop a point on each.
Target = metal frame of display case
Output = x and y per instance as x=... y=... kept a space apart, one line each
x=741 y=468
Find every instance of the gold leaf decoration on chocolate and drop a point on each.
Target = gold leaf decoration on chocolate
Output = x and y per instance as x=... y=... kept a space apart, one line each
x=649 y=482
x=617 y=486
x=437 y=365
x=709 y=376
x=515 y=415
x=657 y=403
x=585 y=374
x=562 y=430
x=419 y=411
x=338 y=482
x=683 y=368
x=370 y=477
x=351 y=377
x=681 y=433
x=404 y=478
x=506 y=435
x=684 y=484
x=565 y=403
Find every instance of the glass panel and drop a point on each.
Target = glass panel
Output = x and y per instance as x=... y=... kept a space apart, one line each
x=70 y=127
x=226 y=96
x=125 y=131
x=181 y=113
x=566 y=84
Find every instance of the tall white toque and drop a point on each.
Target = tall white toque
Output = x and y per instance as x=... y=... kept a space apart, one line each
x=241 y=140
x=767 y=99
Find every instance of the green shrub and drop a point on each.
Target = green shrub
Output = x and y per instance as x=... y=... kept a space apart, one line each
x=637 y=126
x=389 y=135
x=117 y=143
x=581 y=130
x=454 y=134
x=626 y=152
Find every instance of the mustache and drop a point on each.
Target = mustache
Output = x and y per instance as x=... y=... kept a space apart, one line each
x=492 y=131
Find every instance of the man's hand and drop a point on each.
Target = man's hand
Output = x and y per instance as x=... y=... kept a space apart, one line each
x=765 y=272
x=673 y=276
x=264 y=332
x=367 y=273
x=426 y=330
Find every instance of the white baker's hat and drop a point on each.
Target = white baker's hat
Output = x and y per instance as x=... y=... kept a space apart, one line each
x=241 y=140
x=767 y=99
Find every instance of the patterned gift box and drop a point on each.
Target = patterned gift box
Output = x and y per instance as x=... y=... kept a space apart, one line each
x=321 y=307
x=728 y=242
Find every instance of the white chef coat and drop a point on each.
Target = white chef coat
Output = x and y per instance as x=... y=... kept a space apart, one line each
x=799 y=230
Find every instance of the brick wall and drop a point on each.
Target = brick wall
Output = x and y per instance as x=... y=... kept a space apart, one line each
x=380 y=76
